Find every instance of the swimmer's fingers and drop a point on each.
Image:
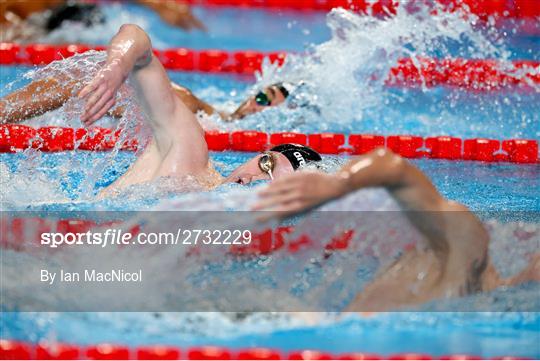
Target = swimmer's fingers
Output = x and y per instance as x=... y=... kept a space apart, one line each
x=110 y=103
x=95 y=102
x=88 y=89
x=278 y=200
x=98 y=105
x=279 y=186
x=94 y=97
x=301 y=191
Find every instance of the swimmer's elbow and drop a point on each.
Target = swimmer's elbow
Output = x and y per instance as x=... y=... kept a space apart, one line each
x=136 y=32
x=394 y=165
x=131 y=28
x=386 y=155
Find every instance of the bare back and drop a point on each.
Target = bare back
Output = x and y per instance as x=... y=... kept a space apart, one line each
x=422 y=274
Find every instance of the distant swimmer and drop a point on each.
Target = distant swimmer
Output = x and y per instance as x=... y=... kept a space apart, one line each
x=28 y=20
x=44 y=95
x=178 y=147
x=454 y=260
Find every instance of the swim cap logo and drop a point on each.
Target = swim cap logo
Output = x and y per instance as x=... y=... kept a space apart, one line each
x=299 y=158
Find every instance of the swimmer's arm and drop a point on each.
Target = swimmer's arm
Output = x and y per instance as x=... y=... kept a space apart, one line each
x=130 y=48
x=34 y=99
x=177 y=133
x=37 y=98
x=176 y=13
x=450 y=229
x=411 y=188
x=191 y=101
x=380 y=168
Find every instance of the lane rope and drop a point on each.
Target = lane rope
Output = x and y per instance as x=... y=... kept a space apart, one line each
x=18 y=137
x=470 y=74
x=11 y=349
x=518 y=9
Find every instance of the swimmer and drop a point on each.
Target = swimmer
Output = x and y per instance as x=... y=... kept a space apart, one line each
x=44 y=95
x=27 y=20
x=178 y=147
x=454 y=260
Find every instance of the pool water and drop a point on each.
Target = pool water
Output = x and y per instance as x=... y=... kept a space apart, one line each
x=483 y=334
x=506 y=196
x=267 y=29
x=498 y=188
x=402 y=111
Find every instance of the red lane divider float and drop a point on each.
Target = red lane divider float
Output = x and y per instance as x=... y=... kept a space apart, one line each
x=473 y=74
x=14 y=138
x=16 y=350
x=522 y=9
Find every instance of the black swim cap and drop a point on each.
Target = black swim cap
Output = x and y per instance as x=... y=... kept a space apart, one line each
x=297 y=154
x=282 y=89
x=87 y=14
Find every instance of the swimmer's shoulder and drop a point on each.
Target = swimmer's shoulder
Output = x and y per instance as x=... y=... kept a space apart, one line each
x=461 y=220
x=468 y=242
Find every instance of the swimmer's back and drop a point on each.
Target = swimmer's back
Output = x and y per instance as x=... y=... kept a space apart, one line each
x=424 y=274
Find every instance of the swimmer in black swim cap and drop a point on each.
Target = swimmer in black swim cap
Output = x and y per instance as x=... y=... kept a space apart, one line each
x=278 y=161
x=29 y=20
x=86 y=14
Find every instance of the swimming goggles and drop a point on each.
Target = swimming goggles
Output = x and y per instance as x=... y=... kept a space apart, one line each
x=267 y=163
x=262 y=99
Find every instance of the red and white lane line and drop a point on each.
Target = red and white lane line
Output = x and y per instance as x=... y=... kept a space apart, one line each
x=469 y=74
x=60 y=351
x=16 y=137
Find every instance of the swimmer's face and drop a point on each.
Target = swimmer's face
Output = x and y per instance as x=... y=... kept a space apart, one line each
x=251 y=171
x=268 y=97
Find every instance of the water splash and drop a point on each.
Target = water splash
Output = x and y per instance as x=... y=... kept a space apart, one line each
x=213 y=280
x=345 y=84
x=77 y=33
x=340 y=85
x=74 y=73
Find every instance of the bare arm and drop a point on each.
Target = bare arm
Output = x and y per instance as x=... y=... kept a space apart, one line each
x=174 y=13
x=37 y=98
x=178 y=144
x=191 y=101
x=449 y=228
x=34 y=99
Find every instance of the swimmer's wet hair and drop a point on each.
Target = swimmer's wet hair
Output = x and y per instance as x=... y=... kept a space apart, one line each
x=299 y=155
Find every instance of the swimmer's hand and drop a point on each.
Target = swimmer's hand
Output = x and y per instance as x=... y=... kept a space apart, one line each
x=178 y=14
x=298 y=192
x=100 y=94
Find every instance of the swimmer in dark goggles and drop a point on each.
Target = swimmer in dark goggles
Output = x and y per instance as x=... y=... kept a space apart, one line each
x=262 y=99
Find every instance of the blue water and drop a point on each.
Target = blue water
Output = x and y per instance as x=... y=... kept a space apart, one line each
x=488 y=335
x=267 y=29
x=438 y=111
x=482 y=187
